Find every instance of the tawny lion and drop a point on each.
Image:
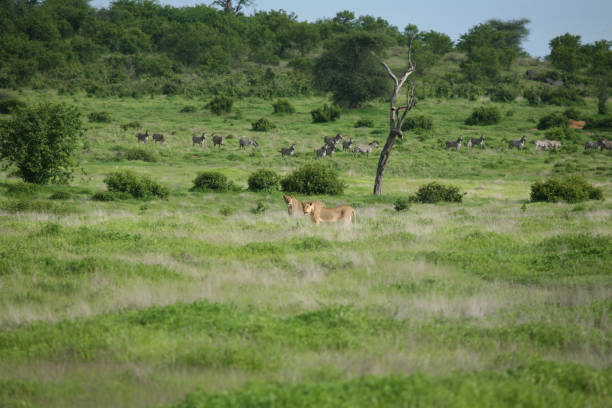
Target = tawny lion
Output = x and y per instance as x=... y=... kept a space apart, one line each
x=295 y=208
x=320 y=214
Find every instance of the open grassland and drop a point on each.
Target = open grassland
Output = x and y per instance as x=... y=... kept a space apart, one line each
x=197 y=301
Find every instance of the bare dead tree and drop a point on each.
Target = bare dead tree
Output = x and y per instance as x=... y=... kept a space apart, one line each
x=396 y=120
x=229 y=7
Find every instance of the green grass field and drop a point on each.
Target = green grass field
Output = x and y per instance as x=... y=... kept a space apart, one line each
x=197 y=301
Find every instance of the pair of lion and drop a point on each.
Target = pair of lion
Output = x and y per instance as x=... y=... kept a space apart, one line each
x=318 y=212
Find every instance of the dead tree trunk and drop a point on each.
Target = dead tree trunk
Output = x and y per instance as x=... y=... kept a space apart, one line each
x=395 y=122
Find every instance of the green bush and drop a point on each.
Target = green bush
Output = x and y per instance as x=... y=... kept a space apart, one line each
x=220 y=104
x=573 y=114
x=328 y=113
x=131 y=125
x=103 y=196
x=572 y=189
x=561 y=96
x=212 y=181
x=434 y=193
x=599 y=122
x=484 y=115
x=263 y=180
x=419 y=122
x=555 y=119
x=260 y=208
x=533 y=96
x=137 y=186
x=100 y=117
x=562 y=133
x=283 y=106
x=188 y=109
x=137 y=153
x=60 y=195
x=315 y=178
x=262 y=125
x=10 y=105
x=21 y=189
x=504 y=93
x=467 y=90
x=368 y=123
x=401 y=204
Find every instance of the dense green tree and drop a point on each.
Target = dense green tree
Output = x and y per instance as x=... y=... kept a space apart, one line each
x=599 y=60
x=349 y=67
x=565 y=52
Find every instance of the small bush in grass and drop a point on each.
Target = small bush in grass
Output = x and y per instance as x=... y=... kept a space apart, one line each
x=188 y=109
x=533 y=96
x=103 y=196
x=9 y=105
x=21 y=188
x=263 y=180
x=283 y=106
x=572 y=189
x=212 y=181
x=220 y=104
x=599 y=122
x=60 y=195
x=226 y=211
x=137 y=153
x=434 y=193
x=315 y=178
x=260 y=208
x=561 y=96
x=419 y=122
x=328 y=113
x=401 y=204
x=555 y=119
x=369 y=123
x=484 y=115
x=262 y=125
x=100 y=117
x=135 y=185
x=504 y=93
x=131 y=125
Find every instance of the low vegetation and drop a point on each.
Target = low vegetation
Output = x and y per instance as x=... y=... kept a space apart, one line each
x=484 y=115
x=328 y=113
x=313 y=179
x=212 y=181
x=435 y=192
x=137 y=186
x=262 y=125
x=571 y=189
x=263 y=180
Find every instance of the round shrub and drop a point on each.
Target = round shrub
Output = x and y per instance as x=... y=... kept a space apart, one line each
x=262 y=125
x=435 y=192
x=135 y=185
x=283 y=106
x=263 y=180
x=99 y=117
x=137 y=153
x=369 y=123
x=328 y=113
x=401 y=204
x=572 y=189
x=417 y=122
x=484 y=115
x=504 y=93
x=555 y=119
x=220 y=104
x=315 y=178
x=212 y=181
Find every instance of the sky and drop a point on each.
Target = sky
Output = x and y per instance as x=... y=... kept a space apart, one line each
x=591 y=19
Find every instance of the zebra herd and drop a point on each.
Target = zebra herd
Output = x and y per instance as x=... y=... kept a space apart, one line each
x=331 y=145
x=198 y=140
x=520 y=144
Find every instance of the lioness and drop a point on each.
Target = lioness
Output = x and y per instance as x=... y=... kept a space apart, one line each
x=295 y=208
x=320 y=214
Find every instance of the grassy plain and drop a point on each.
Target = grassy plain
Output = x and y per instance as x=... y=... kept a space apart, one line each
x=196 y=301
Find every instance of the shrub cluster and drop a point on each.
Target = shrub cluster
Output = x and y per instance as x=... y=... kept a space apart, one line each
x=402 y=204
x=188 y=109
x=435 y=192
x=561 y=96
x=572 y=189
x=283 y=106
x=419 y=122
x=484 y=115
x=599 y=122
x=100 y=117
x=10 y=104
x=328 y=113
x=212 y=181
x=263 y=180
x=262 y=125
x=555 y=119
x=369 y=123
x=135 y=185
x=220 y=104
x=315 y=178
x=137 y=153
x=503 y=93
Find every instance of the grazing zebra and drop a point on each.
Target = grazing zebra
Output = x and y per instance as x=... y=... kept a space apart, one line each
x=592 y=145
x=198 y=139
x=456 y=144
x=365 y=149
x=143 y=137
x=476 y=142
x=158 y=137
x=605 y=144
x=332 y=140
x=217 y=140
x=347 y=144
x=519 y=144
x=321 y=152
x=554 y=144
x=330 y=149
x=243 y=142
x=542 y=144
x=287 y=151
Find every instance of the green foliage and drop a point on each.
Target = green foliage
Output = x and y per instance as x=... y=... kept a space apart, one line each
x=533 y=96
x=220 y=104
x=260 y=208
x=503 y=93
x=100 y=117
x=188 y=109
x=263 y=180
x=402 y=204
x=555 y=119
x=369 y=123
x=40 y=141
x=599 y=122
x=212 y=181
x=21 y=189
x=60 y=195
x=561 y=96
x=328 y=113
x=141 y=187
x=419 y=122
x=131 y=125
x=435 y=192
x=138 y=153
x=572 y=189
x=565 y=52
x=9 y=105
x=484 y=115
x=283 y=106
x=262 y=125
x=314 y=178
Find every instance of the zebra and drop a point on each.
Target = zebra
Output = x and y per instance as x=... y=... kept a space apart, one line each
x=287 y=151
x=519 y=144
x=321 y=152
x=217 y=141
x=554 y=144
x=592 y=145
x=456 y=144
x=143 y=137
x=476 y=142
x=243 y=142
x=330 y=149
x=546 y=144
x=605 y=144
x=332 y=140
x=158 y=137
x=365 y=149
x=347 y=144
x=198 y=139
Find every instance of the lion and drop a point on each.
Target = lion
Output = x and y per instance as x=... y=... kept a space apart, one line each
x=320 y=214
x=295 y=208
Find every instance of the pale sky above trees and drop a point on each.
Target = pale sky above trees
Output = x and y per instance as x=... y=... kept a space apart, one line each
x=549 y=18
